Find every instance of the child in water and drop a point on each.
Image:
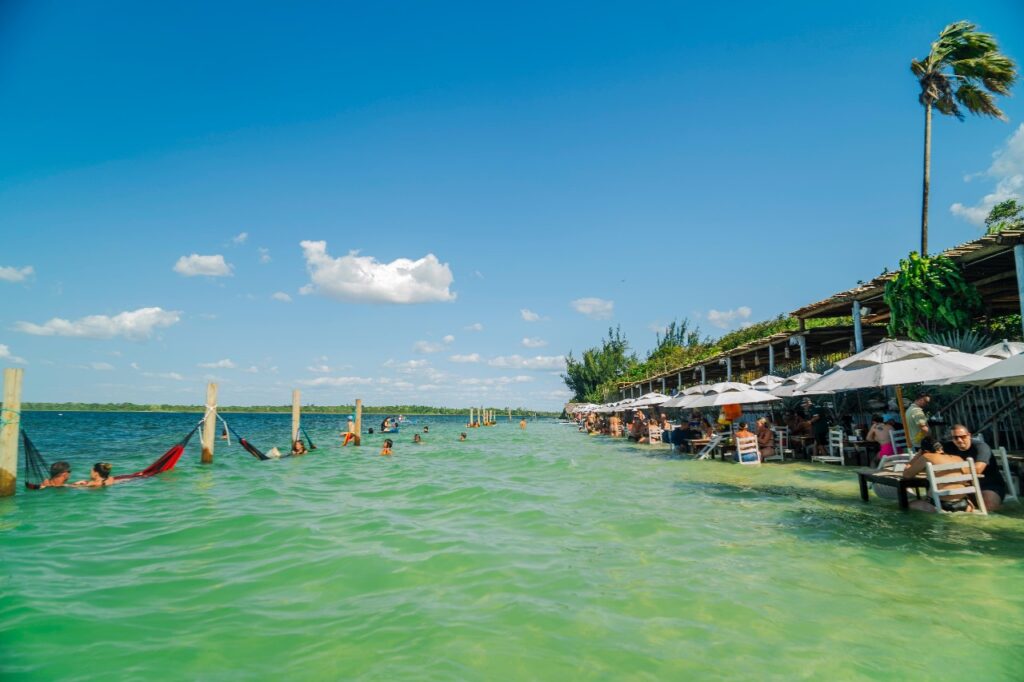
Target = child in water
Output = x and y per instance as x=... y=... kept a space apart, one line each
x=386 y=450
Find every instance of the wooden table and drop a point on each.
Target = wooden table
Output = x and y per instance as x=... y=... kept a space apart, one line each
x=893 y=480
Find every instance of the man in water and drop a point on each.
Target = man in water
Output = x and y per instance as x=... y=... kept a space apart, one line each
x=522 y=423
x=60 y=472
x=386 y=450
x=426 y=429
x=462 y=436
x=993 y=487
x=416 y=439
x=935 y=455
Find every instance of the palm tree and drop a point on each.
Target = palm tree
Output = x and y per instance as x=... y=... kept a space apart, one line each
x=964 y=68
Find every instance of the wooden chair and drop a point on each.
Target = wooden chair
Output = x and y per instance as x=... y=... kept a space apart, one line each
x=835 y=448
x=710 y=446
x=747 y=451
x=973 y=488
x=898 y=439
x=1004 y=466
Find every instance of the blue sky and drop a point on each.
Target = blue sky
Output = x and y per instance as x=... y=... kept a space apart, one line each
x=592 y=164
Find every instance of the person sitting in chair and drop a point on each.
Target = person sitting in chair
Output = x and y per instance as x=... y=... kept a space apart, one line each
x=935 y=455
x=765 y=438
x=993 y=487
x=60 y=472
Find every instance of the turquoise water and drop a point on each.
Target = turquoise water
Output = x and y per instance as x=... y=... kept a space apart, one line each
x=537 y=554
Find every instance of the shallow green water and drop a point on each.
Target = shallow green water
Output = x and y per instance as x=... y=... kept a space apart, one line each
x=543 y=554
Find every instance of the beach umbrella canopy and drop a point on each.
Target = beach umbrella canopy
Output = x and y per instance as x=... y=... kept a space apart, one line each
x=893 y=363
x=743 y=396
x=793 y=383
x=723 y=386
x=649 y=399
x=688 y=394
x=766 y=382
x=1002 y=350
x=1008 y=372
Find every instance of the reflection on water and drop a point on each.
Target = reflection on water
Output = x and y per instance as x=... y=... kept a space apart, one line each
x=542 y=554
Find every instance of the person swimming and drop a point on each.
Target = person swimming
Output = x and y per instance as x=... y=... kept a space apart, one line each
x=99 y=476
x=350 y=433
x=426 y=429
x=462 y=436
x=386 y=450
x=60 y=472
x=416 y=438
x=298 y=448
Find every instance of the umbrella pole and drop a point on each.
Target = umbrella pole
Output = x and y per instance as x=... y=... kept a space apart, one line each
x=903 y=415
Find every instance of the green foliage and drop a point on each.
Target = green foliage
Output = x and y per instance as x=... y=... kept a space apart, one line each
x=929 y=295
x=964 y=340
x=598 y=366
x=1002 y=327
x=1006 y=215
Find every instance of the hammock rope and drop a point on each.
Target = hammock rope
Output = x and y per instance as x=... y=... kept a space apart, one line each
x=309 y=441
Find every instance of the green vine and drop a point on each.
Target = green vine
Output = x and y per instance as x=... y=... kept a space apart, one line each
x=929 y=296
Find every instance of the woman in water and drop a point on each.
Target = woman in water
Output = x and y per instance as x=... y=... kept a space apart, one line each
x=99 y=476
x=416 y=438
x=298 y=448
x=386 y=450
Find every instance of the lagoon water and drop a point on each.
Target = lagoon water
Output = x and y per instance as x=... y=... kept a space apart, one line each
x=537 y=554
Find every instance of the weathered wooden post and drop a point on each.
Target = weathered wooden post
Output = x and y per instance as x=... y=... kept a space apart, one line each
x=359 y=421
x=209 y=424
x=10 y=418
x=471 y=416
x=510 y=414
x=296 y=415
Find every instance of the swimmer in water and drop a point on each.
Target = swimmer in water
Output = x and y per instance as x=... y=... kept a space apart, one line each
x=426 y=429
x=416 y=438
x=60 y=472
x=386 y=450
x=522 y=423
x=350 y=433
x=99 y=476
x=462 y=436
x=298 y=448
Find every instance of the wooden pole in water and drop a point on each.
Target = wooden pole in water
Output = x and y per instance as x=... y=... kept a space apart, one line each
x=10 y=417
x=296 y=415
x=209 y=424
x=510 y=414
x=471 y=416
x=359 y=420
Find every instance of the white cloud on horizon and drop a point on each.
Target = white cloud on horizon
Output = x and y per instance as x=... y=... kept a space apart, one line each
x=334 y=382
x=467 y=358
x=528 y=315
x=174 y=376
x=281 y=296
x=427 y=347
x=135 y=325
x=208 y=266
x=13 y=274
x=448 y=338
x=101 y=366
x=226 y=363
x=594 y=308
x=363 y=279
x=533 y=342
x=537 y=362
x=1007 y=169
x=723 y=319
x=5 y=354
x=475 y=327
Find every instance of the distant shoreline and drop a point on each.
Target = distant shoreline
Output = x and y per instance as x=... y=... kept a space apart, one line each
x=417 y=411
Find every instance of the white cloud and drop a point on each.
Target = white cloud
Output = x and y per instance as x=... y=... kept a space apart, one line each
x=1007 y=170
x=408 y=366
x=537 y=362
x=264 y=255
x=448 y=338
x=196 y=265
x=534 y=342
x=173 y=376
x=134 y=365
x=101 y=366
x=475 y=327
x=495 y=381
x=322 y=382
x=529 y=315
x=251 y=369
x=5 y=354
x=319 y=369
x=471 y=357
x=281 y=296
x=723 y=319
x=594 y=308
x=131 y=324
x=226 y=363
x=240 y=238
x=12 y=274
x=427 y=347
x=362 y=279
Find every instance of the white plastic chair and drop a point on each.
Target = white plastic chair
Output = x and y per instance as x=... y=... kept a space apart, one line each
x=971 y=478
x=653 y=434
x=835 y=448
x=898 y=439
x=747 y=451
x=1004 y=466
x=709 y=447
x=782 y=447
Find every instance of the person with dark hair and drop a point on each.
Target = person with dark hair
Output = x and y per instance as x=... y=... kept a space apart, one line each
x=993 y=487
x=917 y=422
x=416 y=438
x=386 y=450
x=744 y=431
x=60 y=472
x=99 y=476
x=462 y=436
x=934 y=453
x=426 y=429
x=298 y=448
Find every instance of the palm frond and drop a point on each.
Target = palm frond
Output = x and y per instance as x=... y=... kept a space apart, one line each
x=977 y=101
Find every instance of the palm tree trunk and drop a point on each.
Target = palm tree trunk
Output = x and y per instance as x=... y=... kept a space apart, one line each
x=927 y=177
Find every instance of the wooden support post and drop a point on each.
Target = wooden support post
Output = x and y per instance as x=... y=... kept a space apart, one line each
x=10 y=417
x=359 y=421
x=210 y=424
x=296 y=415
x=471 y=416
x=510 y=414
x=771 y=359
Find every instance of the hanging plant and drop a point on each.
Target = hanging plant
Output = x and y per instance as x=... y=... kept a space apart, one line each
x=929 y=296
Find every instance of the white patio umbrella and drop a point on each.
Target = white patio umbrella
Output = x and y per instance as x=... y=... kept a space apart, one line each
x=1008 y=372
x=649 y=399
x=1003 y=349
x=688 y=394
x=793 y=383
x=744 y=396
x=766 y=382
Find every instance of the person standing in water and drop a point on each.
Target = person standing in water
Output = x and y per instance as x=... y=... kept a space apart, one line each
x=386 y=450
x=522 y=423
x=416 y=439
x=99 y=476
x=350 y=433
x=60 y=472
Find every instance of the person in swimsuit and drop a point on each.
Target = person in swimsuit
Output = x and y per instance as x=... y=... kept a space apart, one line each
x=298 y=448
x=386 y=450
x=99 y=476
x=462 y=436
x=416 y=438
x=60 y=472
x=350 y=433
x=935 y=455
